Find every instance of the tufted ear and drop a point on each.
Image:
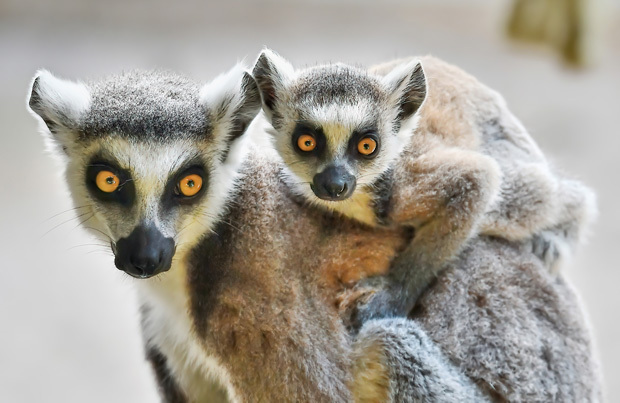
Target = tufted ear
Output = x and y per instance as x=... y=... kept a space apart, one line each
x=272 y=72
x=232 y=101
x=60 y=104
x=407 y=86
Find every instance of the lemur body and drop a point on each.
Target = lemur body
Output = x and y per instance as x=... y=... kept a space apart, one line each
x=242 y=305
x=447 y=158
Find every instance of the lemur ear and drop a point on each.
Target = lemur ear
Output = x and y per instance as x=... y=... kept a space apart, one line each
x=60 y=104
x=272 y=73
x=232 y=101
x=407 y=84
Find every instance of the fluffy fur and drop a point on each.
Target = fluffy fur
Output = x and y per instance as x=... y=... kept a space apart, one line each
x=248 y=310
x=240 y=302
x=499 y=317
x=451 y=162
x=396 y=361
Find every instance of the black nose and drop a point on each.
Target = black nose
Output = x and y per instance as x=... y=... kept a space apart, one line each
x=334 y=183
x=144 y=253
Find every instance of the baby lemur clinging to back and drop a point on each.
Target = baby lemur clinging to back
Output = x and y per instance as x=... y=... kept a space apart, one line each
x=419 y=144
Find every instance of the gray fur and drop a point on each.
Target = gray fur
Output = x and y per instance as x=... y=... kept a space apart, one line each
x=514 y=328
x=154 y=104
x=416 y=369
x=248 y=303
x=502 y=328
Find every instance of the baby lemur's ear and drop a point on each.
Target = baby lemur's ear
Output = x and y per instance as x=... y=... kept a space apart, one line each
x=407 y=85
x=272 y=73
x=60 y=104
x=232 y=102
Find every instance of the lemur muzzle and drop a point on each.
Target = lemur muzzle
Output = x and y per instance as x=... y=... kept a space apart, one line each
x=334 y=183
x=144 y=253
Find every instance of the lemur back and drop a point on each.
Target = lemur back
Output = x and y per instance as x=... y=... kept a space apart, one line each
x=421 y=145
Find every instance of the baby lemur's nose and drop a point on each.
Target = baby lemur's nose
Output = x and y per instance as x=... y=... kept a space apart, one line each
x=144 y=253
x=334 y=183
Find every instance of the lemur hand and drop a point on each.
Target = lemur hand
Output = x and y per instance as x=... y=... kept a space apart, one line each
x=373 y=298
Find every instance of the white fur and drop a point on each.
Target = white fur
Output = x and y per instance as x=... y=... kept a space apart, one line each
x=396 y=80
x=285 y=70
x=223 y=89
x=60 y=101
x=281 y=73
x=67 y=97
x=168 y=328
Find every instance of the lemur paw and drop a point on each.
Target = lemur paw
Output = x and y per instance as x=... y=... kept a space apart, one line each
x=373 y=298
x=349 y=300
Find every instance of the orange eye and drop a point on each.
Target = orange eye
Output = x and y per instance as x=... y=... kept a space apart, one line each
x=306 y=142
x=190 y=185
x=367 y=146
x=106 y=181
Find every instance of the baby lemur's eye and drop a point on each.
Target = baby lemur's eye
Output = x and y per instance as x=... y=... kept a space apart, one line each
x=107 y=181
x=367 y=146
x=190 y=185
x=306 y=142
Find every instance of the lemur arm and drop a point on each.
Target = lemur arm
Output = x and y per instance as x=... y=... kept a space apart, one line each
x=396 y=361
x=442 y=194
x=546 y=212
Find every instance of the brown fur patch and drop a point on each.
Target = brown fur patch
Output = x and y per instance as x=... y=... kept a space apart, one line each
x=371 y=376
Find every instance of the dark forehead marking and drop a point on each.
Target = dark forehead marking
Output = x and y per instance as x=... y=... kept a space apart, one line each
x=155 y=105
x=337 y=83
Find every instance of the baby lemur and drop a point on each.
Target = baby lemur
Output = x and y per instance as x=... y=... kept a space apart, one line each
x=421 y=144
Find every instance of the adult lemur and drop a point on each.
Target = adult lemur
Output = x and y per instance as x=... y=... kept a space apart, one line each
x=448 y=159
x=239 y=298
x=248 y=277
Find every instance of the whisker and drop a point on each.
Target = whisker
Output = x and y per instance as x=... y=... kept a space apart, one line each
x=100 y=251
x=86 y=244
x=101 y=232
x=65 y=222
x=83 y=221
x=227 y=222
x=124 y=183
x=176 y=237
x=64 y=212
x=295 y=162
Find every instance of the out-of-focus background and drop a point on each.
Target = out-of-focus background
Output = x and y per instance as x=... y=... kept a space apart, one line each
x=69 y=318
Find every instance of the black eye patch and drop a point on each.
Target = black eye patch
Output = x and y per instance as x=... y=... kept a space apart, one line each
x=373 y=146
x=306 y=129
x=122 y=190
x=173 y=194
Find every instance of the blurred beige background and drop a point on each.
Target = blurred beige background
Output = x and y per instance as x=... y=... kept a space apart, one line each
x=69 y=319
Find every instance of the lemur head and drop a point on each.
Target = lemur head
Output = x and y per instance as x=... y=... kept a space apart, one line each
x=337 y=127
x=151 y=155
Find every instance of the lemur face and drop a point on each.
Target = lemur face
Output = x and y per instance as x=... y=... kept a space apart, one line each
x=338 y=128
x=151 y=156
